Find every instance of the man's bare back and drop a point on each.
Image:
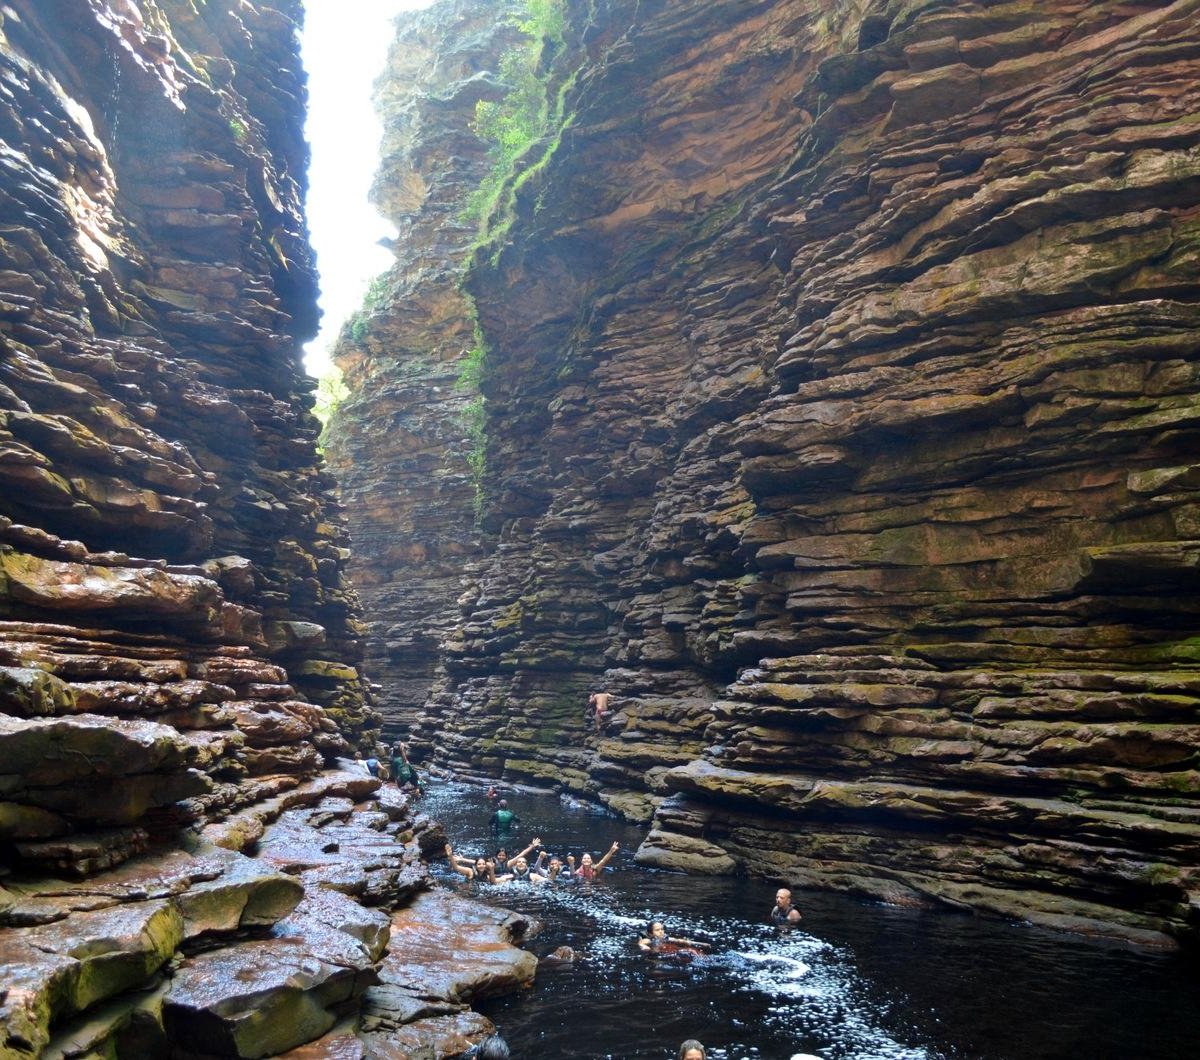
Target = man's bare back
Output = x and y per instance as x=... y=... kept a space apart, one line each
x=599 y=708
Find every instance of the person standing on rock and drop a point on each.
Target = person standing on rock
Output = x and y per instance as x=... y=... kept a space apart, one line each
x=403 y=773
x=783 y=911
x=598 y=702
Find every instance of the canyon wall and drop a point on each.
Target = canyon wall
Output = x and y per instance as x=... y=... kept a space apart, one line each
x=189 y=864
x=841 y=423
x=400 y=445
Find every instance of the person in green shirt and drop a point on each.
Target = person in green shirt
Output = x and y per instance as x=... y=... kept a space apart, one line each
x=403 y=774
x=503 y=819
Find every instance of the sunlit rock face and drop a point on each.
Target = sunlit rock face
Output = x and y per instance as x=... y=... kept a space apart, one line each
x=180 y=866
x=173 y=616
x=400 y=444
x=842 y=423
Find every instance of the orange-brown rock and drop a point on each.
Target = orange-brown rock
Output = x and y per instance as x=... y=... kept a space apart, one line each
x=184 y=866
x=840 y=422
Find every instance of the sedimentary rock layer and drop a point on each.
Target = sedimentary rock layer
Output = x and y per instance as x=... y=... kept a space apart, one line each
x=178 y=648
x=187 y=865
x=173 y=615
x=841 y=422
x=400 y=445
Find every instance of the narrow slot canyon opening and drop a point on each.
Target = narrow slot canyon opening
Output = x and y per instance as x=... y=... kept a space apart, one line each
x=754 y=440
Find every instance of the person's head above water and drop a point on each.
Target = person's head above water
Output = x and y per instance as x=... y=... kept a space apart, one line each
x=692 y=1050
x=783 y=898
x=657 y=930
x=503 y=804
x=492 y=1047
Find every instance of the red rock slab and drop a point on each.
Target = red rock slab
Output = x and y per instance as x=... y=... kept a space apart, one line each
x=447 y=947
x=334 y=1046
x=439 y=1037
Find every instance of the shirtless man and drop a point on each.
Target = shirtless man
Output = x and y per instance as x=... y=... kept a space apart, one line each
x=599 y=702
x=784 y=912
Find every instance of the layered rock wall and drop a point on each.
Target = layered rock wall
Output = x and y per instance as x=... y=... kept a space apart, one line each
x=183 y=868
x=173 y=616
x=841 y=423
x=401 y=444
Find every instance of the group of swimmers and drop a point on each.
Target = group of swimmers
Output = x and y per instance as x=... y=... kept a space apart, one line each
x=549 y=869
x=546 y=869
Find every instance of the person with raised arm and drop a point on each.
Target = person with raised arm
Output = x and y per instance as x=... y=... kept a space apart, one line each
x=517 y=866
x=479 y=869
x=588 y=869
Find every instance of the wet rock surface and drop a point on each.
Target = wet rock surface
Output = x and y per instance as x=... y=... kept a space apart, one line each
x=191 y=864
x=328 y=930
x=839 y=388
x=444 y=953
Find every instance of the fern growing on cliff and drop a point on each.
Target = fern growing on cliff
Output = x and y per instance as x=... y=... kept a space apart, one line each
x=514 y=123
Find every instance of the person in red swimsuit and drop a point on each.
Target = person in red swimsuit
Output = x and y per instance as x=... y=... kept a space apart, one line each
x=589 y=870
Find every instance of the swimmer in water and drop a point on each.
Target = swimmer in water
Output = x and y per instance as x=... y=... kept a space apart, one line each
x=589 y=870
x=692 y=1050
x=516 y=867
x=784 y=913
x=554 y=872
x=657 y=940
x=480 y=869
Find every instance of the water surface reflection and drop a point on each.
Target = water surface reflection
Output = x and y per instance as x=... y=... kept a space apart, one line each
x=856 y=981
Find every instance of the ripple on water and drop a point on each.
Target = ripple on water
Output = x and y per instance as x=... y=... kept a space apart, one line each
x=759 y=993
x=855 y=981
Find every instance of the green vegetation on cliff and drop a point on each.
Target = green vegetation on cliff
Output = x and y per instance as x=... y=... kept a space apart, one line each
x=526 y=114
x=330 y=393
x=530 y=113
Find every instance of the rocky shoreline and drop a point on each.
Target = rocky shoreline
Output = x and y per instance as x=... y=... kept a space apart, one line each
x=326 y=935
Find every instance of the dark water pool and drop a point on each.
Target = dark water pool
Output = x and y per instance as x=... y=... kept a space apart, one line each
x=856 y=980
